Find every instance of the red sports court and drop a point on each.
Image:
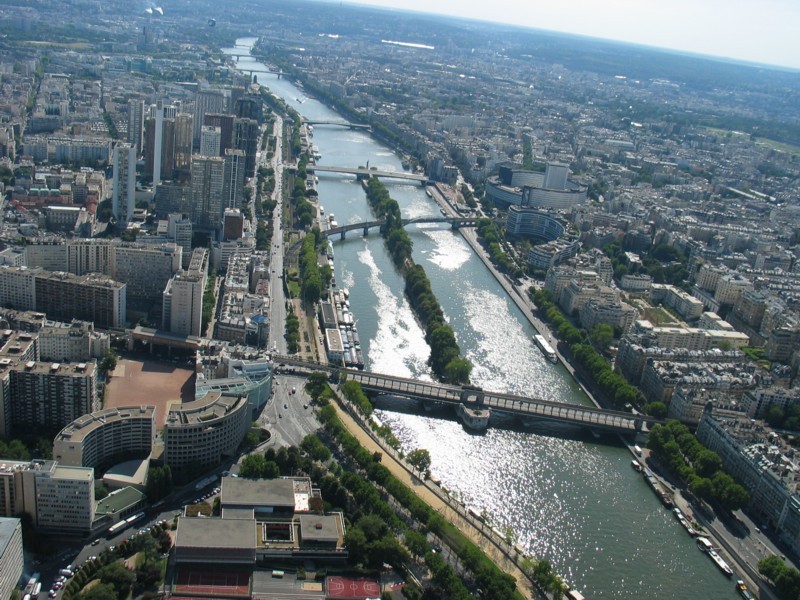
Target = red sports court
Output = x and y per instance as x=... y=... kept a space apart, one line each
x=342 y=588
x=212 y=583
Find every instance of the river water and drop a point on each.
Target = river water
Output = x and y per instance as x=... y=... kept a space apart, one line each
x=569 y=498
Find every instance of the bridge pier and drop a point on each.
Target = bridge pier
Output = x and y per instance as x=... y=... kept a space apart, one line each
x=366 y=231
x=342 y=234
x=472 y=396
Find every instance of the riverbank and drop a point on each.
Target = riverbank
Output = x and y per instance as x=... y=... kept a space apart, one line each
x=505 y=556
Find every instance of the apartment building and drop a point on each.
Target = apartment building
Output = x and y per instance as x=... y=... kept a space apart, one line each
x=59 y=499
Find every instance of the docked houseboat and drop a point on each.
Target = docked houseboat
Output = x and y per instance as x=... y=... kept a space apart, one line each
x=546 y=348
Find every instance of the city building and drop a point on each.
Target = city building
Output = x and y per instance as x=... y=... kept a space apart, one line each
x=208 y=176
x=760 y=460
x=233 y=184
x=18 y=287
x=60 y=500
x=182 y=310
x=124 y=182
x=97 y=438
x=12 y=560
x=206 y=102
x=210 y=140
x=92 y=297
x=47 y=395
x=72 y=342
x=206 y=430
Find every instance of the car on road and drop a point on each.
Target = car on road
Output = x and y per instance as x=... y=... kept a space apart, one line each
x=97 y=541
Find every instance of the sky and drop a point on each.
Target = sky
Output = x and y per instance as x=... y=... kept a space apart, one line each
x=760 y=31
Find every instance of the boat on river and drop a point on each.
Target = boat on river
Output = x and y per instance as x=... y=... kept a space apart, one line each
x=720 y=562
x=546 y=348
x=636 y=465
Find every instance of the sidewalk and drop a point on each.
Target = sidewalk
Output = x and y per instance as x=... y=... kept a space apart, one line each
x=422 y=490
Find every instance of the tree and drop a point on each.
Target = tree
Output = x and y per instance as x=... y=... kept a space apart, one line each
x=602 y=336
x=656 y=409
x=118 y=576
x=109 y=361
x=420 y=459
x=102 y=591
x=253 y=466
x=316 y=384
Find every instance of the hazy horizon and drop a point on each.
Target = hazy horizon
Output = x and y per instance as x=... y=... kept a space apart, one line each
x=764 y=33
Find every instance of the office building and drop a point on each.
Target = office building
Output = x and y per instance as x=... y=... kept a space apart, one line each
x=233 y=184
x=136 y=124
x=206 y=102
x=124 y=182
x=173 y=198
x=60 y=500
x=208 y=175
x=183 y=142
x=182 y=311
x=97 y=438
x=12 y=560
x=224 y=123
x=245 y=138
x=210 y=140
x=179 y=230
x=205 y=430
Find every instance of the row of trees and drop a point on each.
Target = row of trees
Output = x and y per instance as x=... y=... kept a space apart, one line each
x=352 y=391
x=494 y=583
x=445 y=359
x=292 y=333
x=491 y=239
x=700 y=468
x=310 y=274
x=611 y=384
x=385 y=207
x=209 y=299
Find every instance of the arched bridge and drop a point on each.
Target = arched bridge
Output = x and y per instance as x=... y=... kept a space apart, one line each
x=455 y=223
x=589 y=417
x=369 y=172
x=339 y=124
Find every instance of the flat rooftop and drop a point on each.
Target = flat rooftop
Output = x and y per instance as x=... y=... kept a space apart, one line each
x=215 y=533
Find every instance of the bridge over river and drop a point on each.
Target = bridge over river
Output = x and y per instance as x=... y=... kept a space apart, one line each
x=594 y=419
x=423 y=179
x=455 y=223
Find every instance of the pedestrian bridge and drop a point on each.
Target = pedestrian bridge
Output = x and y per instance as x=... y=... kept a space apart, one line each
x=588 y=417
x=368 y=173
x=455 y=223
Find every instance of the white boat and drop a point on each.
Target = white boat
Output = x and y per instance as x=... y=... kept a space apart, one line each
x=546 y=348
x=720 y=562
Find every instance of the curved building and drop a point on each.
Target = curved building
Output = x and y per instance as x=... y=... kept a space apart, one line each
x=550 y=189
x=535 y=224
x=97 y=438
x=204 y=430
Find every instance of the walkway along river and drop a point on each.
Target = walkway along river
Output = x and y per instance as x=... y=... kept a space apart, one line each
x=566 y=498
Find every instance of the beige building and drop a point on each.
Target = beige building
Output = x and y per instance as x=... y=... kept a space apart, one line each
x=205 y=430
x=93 y=439
x=59 y=499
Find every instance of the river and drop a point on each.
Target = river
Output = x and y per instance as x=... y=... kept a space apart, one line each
x=570 y=499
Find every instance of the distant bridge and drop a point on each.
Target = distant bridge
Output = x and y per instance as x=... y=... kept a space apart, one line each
x=339 y=124
x=455 y=223
x=588 y=417
x=369 y=172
